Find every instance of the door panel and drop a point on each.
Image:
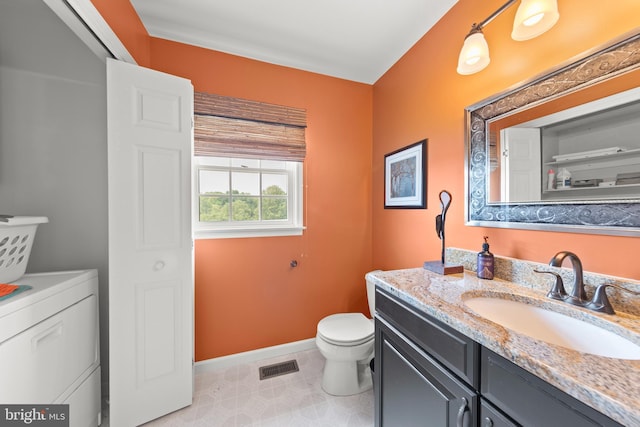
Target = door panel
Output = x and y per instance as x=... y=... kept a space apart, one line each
x=150 y=243
x=521 y=179
x=158 y=182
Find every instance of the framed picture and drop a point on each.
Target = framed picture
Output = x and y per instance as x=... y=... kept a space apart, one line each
x=405 y=172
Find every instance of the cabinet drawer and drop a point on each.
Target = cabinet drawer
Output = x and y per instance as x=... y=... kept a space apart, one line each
x=521 y=396
x=451 y=348
x=40 y=363
x=492 y=417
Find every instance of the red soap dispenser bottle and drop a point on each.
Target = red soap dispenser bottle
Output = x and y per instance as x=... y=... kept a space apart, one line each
x=485 y=261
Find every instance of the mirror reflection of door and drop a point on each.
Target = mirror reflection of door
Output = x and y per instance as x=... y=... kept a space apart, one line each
x=521 y=177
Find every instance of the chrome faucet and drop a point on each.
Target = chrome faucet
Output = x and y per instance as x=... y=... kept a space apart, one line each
x=578 y=295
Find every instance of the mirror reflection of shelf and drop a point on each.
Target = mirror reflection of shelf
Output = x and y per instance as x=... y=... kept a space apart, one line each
x=609 y=156
x=599 y=187
x=598 y=175
x=617 y=193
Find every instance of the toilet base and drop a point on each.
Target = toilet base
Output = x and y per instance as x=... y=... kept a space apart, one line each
x=345 y=378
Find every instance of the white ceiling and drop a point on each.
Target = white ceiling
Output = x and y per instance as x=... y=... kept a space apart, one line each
x=356 y=40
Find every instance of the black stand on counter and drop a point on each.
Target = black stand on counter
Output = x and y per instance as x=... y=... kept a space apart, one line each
x=441 y=267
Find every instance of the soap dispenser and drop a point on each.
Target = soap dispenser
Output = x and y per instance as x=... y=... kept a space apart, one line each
x=485 y=261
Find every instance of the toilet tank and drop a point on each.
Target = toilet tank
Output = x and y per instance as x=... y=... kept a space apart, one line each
x=371 y=296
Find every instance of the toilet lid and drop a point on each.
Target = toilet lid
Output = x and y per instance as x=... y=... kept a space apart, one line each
x=346 y=328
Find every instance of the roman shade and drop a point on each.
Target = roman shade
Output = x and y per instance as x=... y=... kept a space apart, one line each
x=233 y=127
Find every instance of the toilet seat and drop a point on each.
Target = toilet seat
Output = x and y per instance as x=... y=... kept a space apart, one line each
x=346 y=329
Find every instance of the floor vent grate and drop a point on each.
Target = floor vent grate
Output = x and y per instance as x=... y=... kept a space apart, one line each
x=277 y=369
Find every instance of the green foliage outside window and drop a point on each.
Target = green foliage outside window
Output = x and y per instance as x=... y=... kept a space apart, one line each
x=217 y=207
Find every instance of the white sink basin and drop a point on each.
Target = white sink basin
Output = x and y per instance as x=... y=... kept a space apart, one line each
x=553 y=328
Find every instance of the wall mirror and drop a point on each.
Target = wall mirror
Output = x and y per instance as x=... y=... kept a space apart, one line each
x=561 y=152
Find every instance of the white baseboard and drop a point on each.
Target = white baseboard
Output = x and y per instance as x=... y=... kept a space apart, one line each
x=254 y=355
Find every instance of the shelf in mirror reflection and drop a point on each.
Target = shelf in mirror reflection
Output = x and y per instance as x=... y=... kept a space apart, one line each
x=609 y=156
x=593 y=141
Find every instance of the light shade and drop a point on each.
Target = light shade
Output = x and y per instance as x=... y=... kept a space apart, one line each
x=533 y=18
x=474 y=55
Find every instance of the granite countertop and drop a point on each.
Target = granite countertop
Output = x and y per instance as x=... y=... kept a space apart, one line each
x=611 y=386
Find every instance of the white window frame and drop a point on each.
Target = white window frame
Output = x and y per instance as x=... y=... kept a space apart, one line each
x=293 y=227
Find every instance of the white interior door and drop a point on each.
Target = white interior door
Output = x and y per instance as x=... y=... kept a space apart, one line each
x=521 y=172
x=150 y=243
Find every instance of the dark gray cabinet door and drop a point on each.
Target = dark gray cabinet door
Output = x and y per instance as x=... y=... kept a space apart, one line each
x=412 y=389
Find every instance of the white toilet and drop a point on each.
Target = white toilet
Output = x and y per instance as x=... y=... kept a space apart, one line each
x=346 y=342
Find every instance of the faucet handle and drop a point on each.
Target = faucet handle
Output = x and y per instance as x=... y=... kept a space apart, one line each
x=557 y=290
x=600 y=301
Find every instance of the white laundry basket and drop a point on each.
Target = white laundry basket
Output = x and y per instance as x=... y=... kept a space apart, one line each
x=16 y=239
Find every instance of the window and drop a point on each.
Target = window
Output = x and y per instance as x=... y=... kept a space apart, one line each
x=247 y=197
x=248 y=167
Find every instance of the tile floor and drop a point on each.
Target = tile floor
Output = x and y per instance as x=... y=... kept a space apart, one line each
x=237 y=397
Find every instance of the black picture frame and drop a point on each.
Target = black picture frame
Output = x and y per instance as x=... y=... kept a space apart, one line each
x=405 y=177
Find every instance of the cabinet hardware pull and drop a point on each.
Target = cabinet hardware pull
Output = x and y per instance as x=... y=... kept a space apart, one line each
x=488 y=422
x=461 y=412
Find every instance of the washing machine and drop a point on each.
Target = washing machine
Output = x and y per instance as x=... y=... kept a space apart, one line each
x=50 y=344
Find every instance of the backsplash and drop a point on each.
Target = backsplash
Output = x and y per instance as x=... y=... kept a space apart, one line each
x=521 y=272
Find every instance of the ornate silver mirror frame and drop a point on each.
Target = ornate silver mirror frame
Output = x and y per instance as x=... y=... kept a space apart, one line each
x=616 y=217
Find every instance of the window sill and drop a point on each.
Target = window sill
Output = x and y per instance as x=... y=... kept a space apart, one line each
x=247 y=233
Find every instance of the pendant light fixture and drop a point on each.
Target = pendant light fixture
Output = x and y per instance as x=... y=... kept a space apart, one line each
x=474 y=55
x=533 y=18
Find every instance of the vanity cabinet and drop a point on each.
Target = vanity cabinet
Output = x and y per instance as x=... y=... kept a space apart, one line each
x=424 y=372
x=428 y=374
x=529 y=400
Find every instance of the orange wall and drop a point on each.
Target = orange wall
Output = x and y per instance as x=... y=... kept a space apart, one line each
x=123 y=20
x=247 y=295
x=422 y=96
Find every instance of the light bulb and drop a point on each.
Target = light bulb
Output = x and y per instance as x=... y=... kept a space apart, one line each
x=529 y=22
x=533 y=18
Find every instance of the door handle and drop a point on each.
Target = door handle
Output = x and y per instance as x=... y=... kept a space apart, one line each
x=461 y=412
x=159 y=265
